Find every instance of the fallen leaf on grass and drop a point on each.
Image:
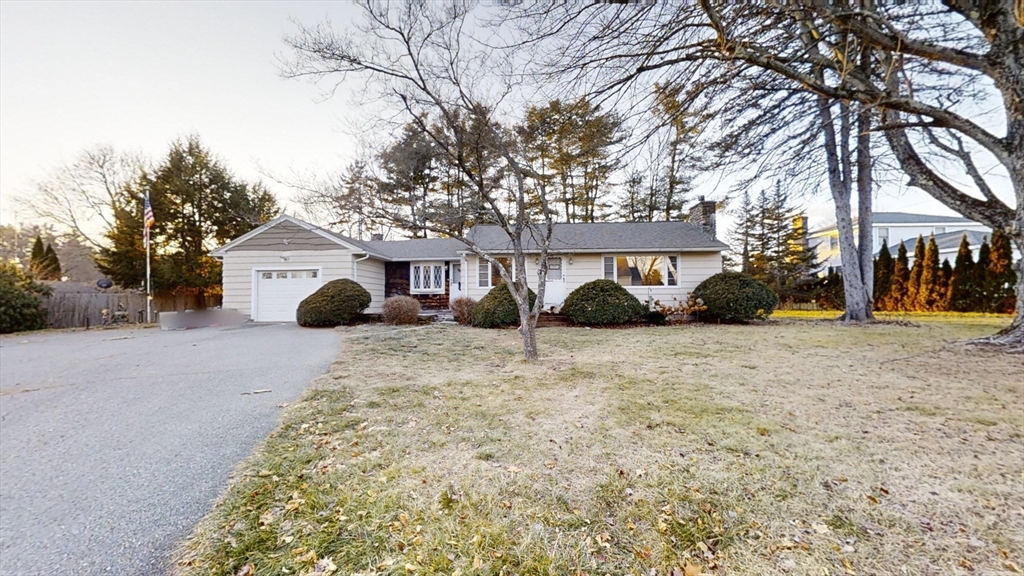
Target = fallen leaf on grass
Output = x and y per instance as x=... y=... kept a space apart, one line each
x=820 y=528
x=260 y=391
x=1012 y=567
x=247 y=570
x=691 y=569
x=325 y=567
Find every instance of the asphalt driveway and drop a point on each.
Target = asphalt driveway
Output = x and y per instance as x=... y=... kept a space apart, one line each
x=114 y=443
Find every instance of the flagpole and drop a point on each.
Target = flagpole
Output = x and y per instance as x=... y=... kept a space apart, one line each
x=149 y=298
x=147 y=222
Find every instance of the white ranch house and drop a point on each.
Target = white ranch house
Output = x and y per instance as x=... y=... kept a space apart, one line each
x=267 y=272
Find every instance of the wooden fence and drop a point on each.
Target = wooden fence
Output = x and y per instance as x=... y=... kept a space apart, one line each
x=80 y=309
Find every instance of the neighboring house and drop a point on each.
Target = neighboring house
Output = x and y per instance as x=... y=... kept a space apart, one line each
x=895 y=227
x=268 y=271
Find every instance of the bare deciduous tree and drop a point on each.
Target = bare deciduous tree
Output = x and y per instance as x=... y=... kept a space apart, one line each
x=925 y=72
x=83 y=196
x=414 y=56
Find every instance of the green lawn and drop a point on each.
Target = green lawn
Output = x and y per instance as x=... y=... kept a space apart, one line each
x=786 y=448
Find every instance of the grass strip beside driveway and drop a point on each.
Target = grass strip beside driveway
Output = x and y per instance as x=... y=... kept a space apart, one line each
x=789 y=447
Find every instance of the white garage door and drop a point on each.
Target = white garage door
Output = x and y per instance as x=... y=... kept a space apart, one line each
x=278 y=293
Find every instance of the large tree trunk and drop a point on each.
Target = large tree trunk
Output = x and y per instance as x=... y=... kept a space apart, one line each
x=838 y=158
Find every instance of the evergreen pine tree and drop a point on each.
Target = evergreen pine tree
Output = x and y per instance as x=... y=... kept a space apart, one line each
x=900 y=278
x=884 y=265
x=946 y=274
x=37 y=260
x=982 y=298
x=914 y=283
x=1001 y=276
x=960 y=284
x=50 y=266
x=928 y=289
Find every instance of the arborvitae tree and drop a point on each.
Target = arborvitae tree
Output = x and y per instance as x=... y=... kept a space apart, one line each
x=51 y=264
x=928 y=292
x=1001 y=277
x=914 y=283
x=884 y=266
x=37 y=260
x=980 y=285
x=946 y=274
x=900 y=278
x=961 y=291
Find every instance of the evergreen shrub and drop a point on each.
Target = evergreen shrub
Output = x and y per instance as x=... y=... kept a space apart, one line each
x=602 y=303
x=20 y=305
x=735 y=297
x=335 y=303
x=497 y=309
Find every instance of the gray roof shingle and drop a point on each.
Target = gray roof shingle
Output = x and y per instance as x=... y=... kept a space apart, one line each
x=908 y=218
x=589 y=237
x=608 y=236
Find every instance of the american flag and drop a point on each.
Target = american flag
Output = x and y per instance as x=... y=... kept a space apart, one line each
x=148 y=220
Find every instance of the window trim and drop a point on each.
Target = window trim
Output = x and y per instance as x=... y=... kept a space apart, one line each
x=432 y=267
x=490 y=271
x=666 y=257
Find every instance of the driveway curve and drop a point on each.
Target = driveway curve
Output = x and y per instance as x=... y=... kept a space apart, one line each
x=114 y=443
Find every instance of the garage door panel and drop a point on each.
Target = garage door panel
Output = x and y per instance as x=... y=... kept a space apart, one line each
x=278 y=293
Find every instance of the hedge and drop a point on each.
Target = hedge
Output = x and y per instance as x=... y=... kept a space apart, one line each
x=335 y=303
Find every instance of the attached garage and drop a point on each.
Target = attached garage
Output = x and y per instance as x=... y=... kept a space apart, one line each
x=278 y=292
x=267 y=272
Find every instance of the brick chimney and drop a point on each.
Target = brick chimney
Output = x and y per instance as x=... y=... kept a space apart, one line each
x=703 y=214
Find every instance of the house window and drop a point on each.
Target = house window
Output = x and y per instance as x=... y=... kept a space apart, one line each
x=647 y=270
x=883 y=235
x=554 y=269
x=833 y=242
x=426 y=277
x=489 y=274
x=282 y=274
x=267 y=275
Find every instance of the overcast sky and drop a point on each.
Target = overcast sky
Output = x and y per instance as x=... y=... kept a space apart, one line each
x=138 y=75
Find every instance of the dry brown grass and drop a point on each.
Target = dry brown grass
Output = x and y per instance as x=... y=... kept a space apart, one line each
x=794 y=447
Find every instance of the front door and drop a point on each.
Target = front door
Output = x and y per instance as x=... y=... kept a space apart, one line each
x=554 y=286
x=455 y=282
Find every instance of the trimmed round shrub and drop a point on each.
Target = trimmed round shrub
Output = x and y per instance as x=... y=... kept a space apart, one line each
x=602 y=303
x=462 y=308
x=735 y=297
x=20 y=305
x=401 y=310
x=335 y=303
x=497 y=309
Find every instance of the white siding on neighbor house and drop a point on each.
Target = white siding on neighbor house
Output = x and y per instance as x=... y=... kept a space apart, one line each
x=370 y=274
x=239 y=266
x=693 y=269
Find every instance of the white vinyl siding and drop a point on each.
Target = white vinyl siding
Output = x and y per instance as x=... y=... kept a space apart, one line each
x=238 y=276
x=692 y=268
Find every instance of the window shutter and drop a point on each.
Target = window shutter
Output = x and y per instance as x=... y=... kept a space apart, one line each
x=484 y=273
x=609 y=268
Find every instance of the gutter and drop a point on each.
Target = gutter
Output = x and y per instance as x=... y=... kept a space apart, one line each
x=355 y=267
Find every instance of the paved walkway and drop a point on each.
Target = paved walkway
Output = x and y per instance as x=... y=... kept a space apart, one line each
x=114 y=443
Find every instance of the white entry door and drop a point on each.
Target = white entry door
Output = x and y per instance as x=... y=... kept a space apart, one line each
x=554 y=286
x=455 y=282
x=278 y=293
